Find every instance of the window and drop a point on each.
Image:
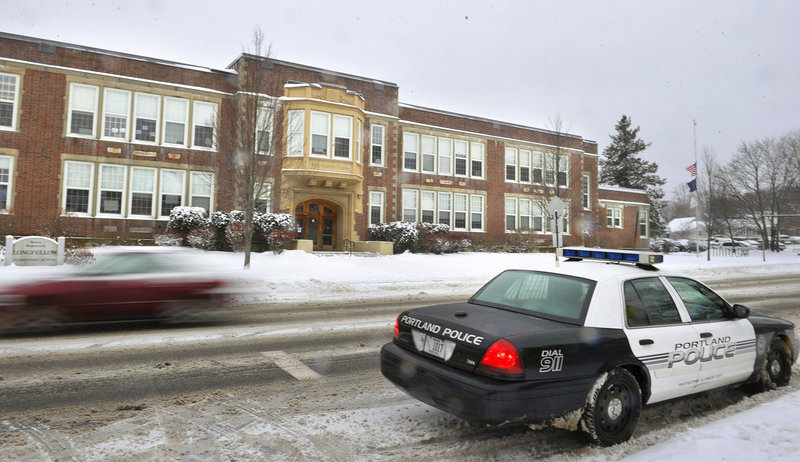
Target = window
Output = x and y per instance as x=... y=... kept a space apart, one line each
x=78 y=187
x=82 y=109
x=116 y=104
x=648 y=303
x=477 y=160
x=461 y=148
x=701 y=303
x=375 y=207
x=563 y=171
x=146 y=109
x=204 y=119
x=378 y=142
x=511 y=164
x=9 y=100
x=296 y=135
x=525 y=214
x=460 y=211
x=410 y=201
x=538 y=170
x=264 y=130
x=428 y=207
x=524 y=166
x=538 y=217
x=428 y=154
x=476 y=213
x=445 y=156
x=112 y=189
x=511 y=214
x=143 y=186
x=5 y=182
x=200 y=189
x=172 y=188
x=176 y=113
x=550 y=170
x=445 y=204
x=643 y=224
x=614 y=217
x=585 y=189
x=320 y=127
x=410 y=151
x=263 y=197
x=342 y=135
x=358 y=141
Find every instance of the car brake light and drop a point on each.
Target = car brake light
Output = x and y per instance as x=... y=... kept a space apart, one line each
x=397 y=327
x=502 y=357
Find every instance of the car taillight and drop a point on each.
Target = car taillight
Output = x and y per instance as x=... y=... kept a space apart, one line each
x=397 y=327
x=502 y=357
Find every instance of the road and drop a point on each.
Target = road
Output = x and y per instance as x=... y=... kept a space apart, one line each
x=280 y=382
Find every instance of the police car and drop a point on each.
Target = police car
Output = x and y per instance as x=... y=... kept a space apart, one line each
x=586 y=343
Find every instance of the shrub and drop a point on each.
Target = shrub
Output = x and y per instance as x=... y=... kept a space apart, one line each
x=278 y=239
x=266 y=224
x=418 y=237
x=169 y=239
x=204 y=237
x=185 y=219
x=234 y=235
x=403 y=234
x=219 y=220
x=78 y=256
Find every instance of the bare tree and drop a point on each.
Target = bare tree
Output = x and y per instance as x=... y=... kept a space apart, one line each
x=708 y=195
x=251 y=138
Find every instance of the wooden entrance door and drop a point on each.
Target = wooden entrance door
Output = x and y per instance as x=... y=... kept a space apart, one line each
x=316 y=221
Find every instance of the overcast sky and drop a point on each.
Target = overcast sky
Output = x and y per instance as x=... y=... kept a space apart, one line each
x=731 y=65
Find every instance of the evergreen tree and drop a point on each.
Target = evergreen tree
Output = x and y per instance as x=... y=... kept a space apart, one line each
x=622 y=166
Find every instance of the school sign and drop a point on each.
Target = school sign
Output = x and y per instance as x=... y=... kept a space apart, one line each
x=34 y=251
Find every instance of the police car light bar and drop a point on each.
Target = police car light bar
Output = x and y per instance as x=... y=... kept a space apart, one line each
x=610 y=255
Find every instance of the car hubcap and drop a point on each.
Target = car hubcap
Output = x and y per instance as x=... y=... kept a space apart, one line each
x=775 y=368
x=614 y=409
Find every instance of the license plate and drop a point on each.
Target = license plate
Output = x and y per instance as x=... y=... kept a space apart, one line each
x=434 y=346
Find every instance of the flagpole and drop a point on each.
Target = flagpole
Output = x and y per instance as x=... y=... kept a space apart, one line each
x=696 y=196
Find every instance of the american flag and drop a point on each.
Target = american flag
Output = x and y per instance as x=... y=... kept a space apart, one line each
x=692 y=169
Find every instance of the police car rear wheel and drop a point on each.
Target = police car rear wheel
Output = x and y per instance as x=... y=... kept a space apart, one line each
x=612 y=409
x=778 y=367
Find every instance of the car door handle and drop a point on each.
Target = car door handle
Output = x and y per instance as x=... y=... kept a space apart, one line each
x=646 y=341
x=706 y=335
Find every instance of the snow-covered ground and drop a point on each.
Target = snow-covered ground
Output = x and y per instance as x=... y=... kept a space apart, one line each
x=765 y=432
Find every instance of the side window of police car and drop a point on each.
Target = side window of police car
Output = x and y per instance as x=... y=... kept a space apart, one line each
x=648 y=303
x=700 y=301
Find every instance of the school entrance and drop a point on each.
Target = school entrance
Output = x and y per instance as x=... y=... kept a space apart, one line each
x=316 y=221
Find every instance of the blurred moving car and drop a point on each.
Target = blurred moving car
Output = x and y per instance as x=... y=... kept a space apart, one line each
x=124 y=283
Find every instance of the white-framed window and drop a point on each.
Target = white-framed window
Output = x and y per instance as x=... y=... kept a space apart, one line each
x=538 y=167
x=511 y=214
x=586 y=192
x=9 y=101
x=476 y=202
x=262 y=202
x=176 y=117
x=410 y=151
x=461 y=156
x=78 y=180
x=320 y=133
x=525 y=214
x=445 y=156
x=445 y=208
x=203 y=122
x=142 y=193
x=296 y=133
x=428 y=154
x=6 y=166
x=82 y=109
x=172 y=190
x=643 y=224
x=614 y=217
x=111 y=194
x=460 y=211
x=375 y=207
x=146 y=110
x=511 y=165
x=201 y=190
x=410 y=204
x=563 y=171
x=428 y=207
x=263 y=133
x=116 y=110
x=524 y=166
x=538 y=216
x=378 y=144
x=342 y=136
x=549 y=169
x=477 y=159
x=358 y=140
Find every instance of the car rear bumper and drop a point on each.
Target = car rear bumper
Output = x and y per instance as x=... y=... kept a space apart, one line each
x=477 y=398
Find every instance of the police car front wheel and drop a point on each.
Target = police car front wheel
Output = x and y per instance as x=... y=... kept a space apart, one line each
x=612 y=408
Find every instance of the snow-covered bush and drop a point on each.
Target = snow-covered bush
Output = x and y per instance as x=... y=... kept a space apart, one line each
x=169 y=239
x=236 y=216
x=404 y=234
x=278 y=239
x=266 y=223
x=219 y=220
x=204 y=237
x=185 y=219
x=78 y=256
x=234 y=235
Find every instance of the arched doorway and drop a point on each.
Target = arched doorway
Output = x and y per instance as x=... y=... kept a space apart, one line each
x=316 y=221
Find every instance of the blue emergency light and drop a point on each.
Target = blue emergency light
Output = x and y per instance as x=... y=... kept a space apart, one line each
x=629 y=256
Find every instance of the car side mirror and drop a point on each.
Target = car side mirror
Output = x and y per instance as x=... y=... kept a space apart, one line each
x=741 y=311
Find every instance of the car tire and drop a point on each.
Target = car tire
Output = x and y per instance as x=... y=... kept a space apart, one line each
x=777 y=369
x=612 y=408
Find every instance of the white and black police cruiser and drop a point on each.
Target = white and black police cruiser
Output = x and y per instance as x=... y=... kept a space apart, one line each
x=589 y=341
